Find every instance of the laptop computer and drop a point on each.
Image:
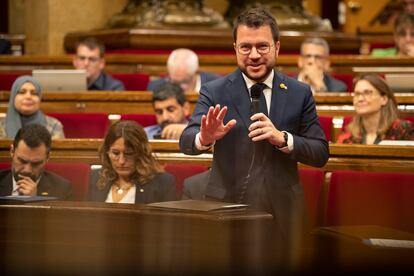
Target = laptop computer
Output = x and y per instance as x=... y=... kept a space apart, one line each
x=400 y=82
x=61 y=80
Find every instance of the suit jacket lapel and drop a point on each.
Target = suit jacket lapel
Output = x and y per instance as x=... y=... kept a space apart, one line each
x=278 y=102
x=6 y=185
x=240 y=97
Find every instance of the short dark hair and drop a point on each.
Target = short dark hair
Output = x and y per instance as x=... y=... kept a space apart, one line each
x=256 y=18
x=167 y=90
x=92 y=43
x=34 y=135
x=403 y=20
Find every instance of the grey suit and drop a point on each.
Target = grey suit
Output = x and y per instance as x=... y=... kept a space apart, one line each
x=204 y=77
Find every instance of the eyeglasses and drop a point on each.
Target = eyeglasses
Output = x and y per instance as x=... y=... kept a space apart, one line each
x=115 y=155
x=404 y=33
x=364 y=93
x=316 y=57
x=90 y=59
x=262 y=48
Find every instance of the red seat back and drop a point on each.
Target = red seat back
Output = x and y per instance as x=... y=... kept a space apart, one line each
x=133 y=81
x=327 y=126
x=312 y=181
x=371 y=198
x=142 y=119
x=83 y=125
x=77 y=174
x=182 y=171
x=7 y=79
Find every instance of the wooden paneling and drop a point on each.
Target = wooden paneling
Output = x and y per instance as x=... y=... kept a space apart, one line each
x=342 y=157
x=155 y=64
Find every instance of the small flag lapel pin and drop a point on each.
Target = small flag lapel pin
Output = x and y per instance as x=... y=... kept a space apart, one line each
x=283 y=86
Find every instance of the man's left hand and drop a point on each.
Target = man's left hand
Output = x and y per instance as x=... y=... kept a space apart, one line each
x=263 y=129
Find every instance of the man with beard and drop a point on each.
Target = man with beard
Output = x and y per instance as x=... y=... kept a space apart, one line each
x=257 y=147
x=27 y=177
x=171 y=110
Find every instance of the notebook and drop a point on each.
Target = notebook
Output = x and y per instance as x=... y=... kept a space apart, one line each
x=61 y=80
x=400 y=82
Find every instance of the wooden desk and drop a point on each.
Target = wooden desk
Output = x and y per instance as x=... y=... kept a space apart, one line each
x=97 y=238
x=330 y=104
x=342 y=157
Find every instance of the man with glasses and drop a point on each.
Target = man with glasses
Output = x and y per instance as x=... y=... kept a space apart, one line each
x=182 y=67
x=314 y=66
x=256 y=152
x=27 y=177
x=90 y=57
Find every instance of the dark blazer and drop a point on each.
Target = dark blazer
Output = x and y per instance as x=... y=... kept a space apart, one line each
x=160 y=188
x=50 y=184
x=195 y=186
x=292 y=110
x=334 y=85
x=106 y=82
x=204 y=77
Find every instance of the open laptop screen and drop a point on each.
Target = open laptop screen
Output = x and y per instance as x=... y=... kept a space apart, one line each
x=400 y=82
x=61 y=80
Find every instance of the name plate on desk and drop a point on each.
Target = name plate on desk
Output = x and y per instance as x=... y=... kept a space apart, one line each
x=198 y=206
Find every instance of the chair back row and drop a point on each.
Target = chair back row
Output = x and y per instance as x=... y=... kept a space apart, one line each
x=352 y=198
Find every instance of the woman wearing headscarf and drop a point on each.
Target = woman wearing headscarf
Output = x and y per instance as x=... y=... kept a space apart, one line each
x=24 y=109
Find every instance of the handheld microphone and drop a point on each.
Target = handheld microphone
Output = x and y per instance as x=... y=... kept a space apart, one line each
x=255 y=94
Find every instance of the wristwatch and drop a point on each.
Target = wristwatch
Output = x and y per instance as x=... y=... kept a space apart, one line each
x=285 y=135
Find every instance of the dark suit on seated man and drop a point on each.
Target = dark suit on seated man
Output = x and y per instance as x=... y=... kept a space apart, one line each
x=195 y=186
x=29 y=153
x=182 y=66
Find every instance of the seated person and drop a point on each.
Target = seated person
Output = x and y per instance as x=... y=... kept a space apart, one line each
x=24 y=109
x=171 y=110
x=314 y=66
x=376 y=116
x=130 y=173
x=182 y=67
x=195 y=186
x=403 y=37
x=90 y=57
x=29 y=154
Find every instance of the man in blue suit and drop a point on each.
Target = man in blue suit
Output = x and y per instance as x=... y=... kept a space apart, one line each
x=255 y=156
x=182 y=66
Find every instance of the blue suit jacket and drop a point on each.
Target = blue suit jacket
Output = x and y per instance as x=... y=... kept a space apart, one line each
x=292 y=110
x=204 y=76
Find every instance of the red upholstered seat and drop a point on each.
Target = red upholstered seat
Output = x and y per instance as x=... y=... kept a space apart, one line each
x=182 y=171
x=83 y=125
x=142 y=119
x=371 y=198
x=312 y=181
x=7 y=79
x=77 y=174
x=327 y=126
x=133 y=81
